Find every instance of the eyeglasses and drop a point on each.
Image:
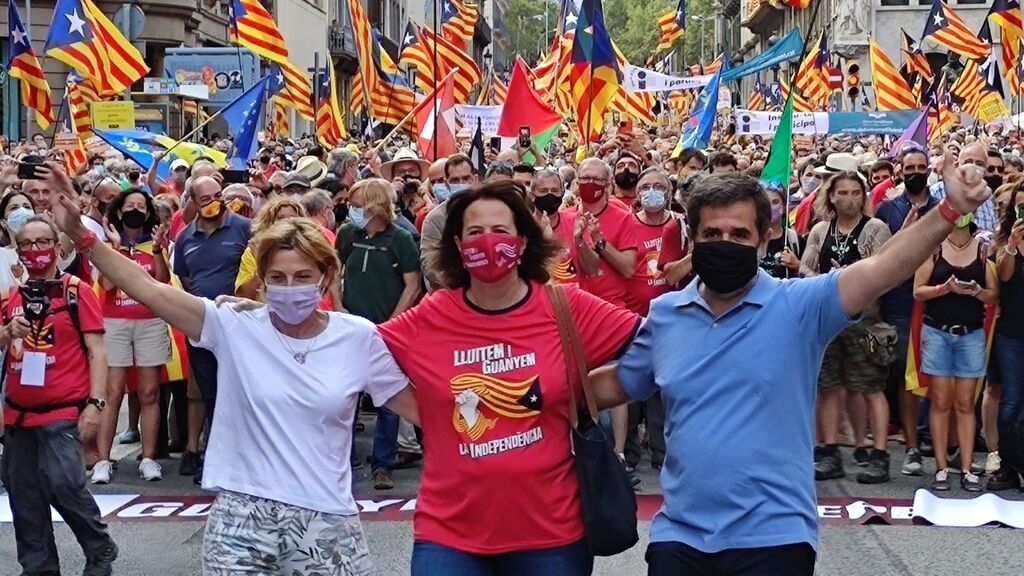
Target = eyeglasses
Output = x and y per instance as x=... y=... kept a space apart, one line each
x=40 y=244
x=996 y=169
x=546 y=191
x=592 y=180
x=650 y=187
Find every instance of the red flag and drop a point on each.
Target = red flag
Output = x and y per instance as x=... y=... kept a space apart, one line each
x=524 y=107
x=435 y=121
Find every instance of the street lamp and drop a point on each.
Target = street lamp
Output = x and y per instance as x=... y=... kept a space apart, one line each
x=702 y=20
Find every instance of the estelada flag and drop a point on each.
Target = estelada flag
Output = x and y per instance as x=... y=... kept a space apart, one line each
x=917 y=381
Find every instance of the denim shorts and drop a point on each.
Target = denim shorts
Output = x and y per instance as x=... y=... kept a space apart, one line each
x=943 y=354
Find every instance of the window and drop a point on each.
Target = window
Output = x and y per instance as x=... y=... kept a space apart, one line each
x=895 y=2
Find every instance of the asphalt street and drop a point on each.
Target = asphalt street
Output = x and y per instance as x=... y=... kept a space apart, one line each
x=170 y=545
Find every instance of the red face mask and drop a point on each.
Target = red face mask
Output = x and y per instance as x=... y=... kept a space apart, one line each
x=489 y=257
x=591 y=192
x=38 y=261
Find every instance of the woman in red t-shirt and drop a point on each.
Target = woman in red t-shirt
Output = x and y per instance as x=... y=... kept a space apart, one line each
x=499 y=490
x=134 y=336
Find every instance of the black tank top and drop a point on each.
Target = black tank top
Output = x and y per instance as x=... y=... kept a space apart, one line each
x=956 y=309
x=843 y=248
x=1011 y=302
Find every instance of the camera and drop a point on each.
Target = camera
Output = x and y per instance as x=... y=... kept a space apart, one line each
x=411 y=186
x=36 y=296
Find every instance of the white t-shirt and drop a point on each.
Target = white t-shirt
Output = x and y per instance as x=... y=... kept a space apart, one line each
x=8 y=261
x=283 y=430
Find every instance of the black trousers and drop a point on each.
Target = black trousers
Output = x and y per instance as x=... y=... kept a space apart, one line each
x=678 y=559
x=203 y=365
x=43 y=467
x=652 y=411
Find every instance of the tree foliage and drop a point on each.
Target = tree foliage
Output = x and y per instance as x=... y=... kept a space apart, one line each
x=526 y=21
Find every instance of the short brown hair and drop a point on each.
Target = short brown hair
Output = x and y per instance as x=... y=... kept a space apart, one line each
x=455 y=160
x=302 y=235
x=538 y=254
x=378 y=197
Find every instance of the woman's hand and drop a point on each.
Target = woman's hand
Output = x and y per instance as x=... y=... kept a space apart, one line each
x=66 y=212
x=788 y=259
x=160 y=236
x=237 y=303
x=112 y=234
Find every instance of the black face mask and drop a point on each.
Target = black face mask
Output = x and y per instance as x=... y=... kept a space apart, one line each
x=340 y=212
x=724 y=267
x=994 y=181
x=264 y=159
x=915 y=183
x=627 y=180
x=133 y=176
x=134 y=219
x=548 y=203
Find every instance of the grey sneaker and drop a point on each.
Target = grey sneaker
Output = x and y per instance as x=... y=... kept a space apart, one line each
x=969 y=482
x=941 y=482
x=861 y=456
x=877 y=470
x=830 y=464
x=911 y=463
x=955 y=464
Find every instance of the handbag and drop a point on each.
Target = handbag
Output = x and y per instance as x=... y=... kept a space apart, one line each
x=606 y=494
x=879 y=343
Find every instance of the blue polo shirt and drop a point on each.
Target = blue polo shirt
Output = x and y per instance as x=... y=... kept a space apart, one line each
x=739 y=394
x=210 y=263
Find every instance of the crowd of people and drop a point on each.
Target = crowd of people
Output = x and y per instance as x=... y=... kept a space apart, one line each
x=246 y=323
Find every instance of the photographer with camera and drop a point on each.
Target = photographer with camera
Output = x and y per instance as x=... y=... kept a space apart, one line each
x=55 y=374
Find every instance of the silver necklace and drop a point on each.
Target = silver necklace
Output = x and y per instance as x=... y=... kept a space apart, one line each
x=299 y=357
x=840 y=248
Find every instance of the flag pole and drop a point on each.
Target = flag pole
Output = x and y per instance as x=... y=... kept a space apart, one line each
x=437 y=8
x=28 y=30
x=194 y=130
x=430 y=98
x=63 y=106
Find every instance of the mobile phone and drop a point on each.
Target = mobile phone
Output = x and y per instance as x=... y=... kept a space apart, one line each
x=963 y=284
x=615 y=117
x=27 y=171
x=626 y=127
x=235 y=176
x=496 y=142
x=524 y=137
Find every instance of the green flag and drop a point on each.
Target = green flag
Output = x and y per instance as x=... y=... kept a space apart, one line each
x=780 y=159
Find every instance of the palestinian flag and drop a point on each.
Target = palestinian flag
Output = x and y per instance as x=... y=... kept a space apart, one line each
x=524 y=107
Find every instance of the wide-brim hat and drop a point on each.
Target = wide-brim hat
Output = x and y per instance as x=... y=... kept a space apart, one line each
x=312 y=168
x=404 y=154
x=838 y=162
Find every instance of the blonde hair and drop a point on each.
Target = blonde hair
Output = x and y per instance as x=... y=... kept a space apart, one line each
x=267 y=214
x=171 y=200
x=378 y=197
x=301 y=235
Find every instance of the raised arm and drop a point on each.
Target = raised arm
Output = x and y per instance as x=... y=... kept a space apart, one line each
x=174 y=306
x=863 y=282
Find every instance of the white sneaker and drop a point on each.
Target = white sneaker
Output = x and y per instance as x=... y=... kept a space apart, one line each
x=992 y=463
x=102 y=471
x=149 y=470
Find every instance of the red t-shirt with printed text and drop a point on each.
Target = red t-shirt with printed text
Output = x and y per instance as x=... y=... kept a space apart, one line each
x=648 y=281
x=564 y=271
x=67 y=368
x=620 y=233
x=493 y=401
x=117 y=304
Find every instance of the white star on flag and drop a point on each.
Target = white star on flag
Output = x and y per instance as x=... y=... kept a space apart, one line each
x=407 y=40
x=76 y=23
x=19 y=36
x=938 y=19
x=571 y=20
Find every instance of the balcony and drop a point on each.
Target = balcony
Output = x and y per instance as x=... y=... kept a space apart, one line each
x=341 y=42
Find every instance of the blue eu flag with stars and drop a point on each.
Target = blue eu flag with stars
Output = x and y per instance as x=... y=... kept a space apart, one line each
x=243 y=115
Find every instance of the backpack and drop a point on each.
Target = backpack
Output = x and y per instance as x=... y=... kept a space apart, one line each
x=359 y=239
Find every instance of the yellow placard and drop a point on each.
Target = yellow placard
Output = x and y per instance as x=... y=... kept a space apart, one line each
x=118 y=115
x=992 y=108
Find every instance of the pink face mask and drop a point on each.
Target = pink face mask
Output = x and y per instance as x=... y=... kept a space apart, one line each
x=491 y=256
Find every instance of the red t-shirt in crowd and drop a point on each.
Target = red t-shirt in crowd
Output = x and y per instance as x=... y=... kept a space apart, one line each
x=564 y=271
x=647 y=282
x=673 y=246
x=878 y=192
x=498 y=473
x=117 y=304
x=617 y=227
x=66 y=377
x=177 y=224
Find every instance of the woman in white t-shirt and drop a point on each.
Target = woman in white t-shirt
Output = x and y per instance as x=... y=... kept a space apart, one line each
x=290 y=376
x=16 y=209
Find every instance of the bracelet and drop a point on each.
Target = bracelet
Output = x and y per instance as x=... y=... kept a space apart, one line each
x=85 y=243
x=1008 y=252
x=947 y=211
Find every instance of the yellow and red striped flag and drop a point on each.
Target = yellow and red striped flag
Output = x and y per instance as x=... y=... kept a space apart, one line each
x=891 y=90
x=252 y=26
x=415 y=56
x=757 y=100
x=298 y=90
x=390 y=96
x=358 y=97
x=673 y=26
x=329 y=127
x=968 y=86
x=917 y=62
x=35 y=90
x=79 y=109
x=458 y=20
x=594 y=71
x=812 y=78
x=87 y=41
x=280 y=125
x=945 y=27
x=800 y=103
x=450 y=57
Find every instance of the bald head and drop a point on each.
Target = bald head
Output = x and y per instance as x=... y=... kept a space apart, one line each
x=589 y=165
x=436 y=171
x=973 y=153
x=203 y=168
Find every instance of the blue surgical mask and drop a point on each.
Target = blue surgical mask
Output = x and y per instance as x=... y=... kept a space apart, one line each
x=17 y=219
x=441 y=191
x=653 y=200
x=456 y=188
x=357 y=216
x=100 y=169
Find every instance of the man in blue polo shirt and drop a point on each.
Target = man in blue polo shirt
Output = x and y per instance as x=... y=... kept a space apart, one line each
x=207 y=255
x=736 y=356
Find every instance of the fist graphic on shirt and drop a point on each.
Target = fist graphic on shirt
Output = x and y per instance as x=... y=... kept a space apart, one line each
x=468 y=402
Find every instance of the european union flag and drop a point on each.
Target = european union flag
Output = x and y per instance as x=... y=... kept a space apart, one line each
x=698 y=128
x=242 y=116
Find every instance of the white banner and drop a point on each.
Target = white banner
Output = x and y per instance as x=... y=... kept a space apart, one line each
x=749 y=122
x=638 y=79
x=468 y=114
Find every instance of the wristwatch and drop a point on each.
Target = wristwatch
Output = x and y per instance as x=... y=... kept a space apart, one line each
x=99 y=403
x=600 y=245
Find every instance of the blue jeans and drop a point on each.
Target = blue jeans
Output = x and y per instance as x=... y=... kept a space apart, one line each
x=385 y=440
x=1009 y=353
x=429 y=559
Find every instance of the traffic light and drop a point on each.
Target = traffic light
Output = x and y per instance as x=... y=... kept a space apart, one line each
x=853 y=80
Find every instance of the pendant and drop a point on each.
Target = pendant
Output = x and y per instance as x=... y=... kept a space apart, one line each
x=300 y=357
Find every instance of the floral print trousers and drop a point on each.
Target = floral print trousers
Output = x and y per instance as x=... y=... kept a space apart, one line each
x=246 y=535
